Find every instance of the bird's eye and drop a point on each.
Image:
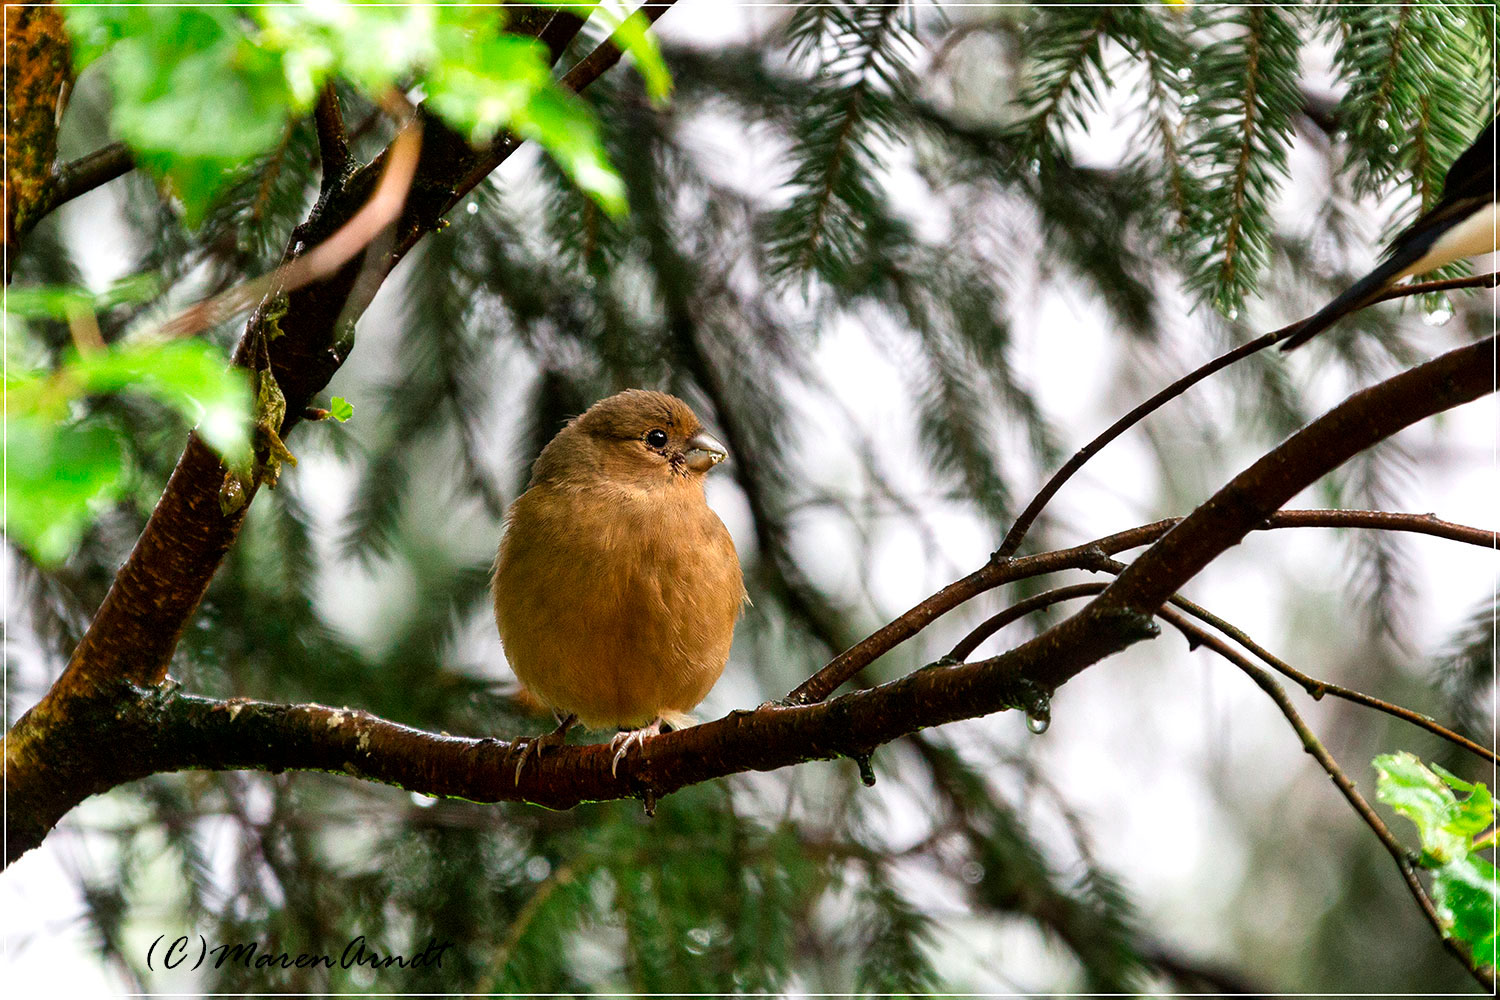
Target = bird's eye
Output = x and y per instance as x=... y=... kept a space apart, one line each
x=656 y=438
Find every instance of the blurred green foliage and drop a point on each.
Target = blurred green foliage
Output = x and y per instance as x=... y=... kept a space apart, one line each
x=199 y=91
x=65 y=460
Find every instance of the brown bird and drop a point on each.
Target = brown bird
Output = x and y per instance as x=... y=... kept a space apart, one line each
x=616 y=586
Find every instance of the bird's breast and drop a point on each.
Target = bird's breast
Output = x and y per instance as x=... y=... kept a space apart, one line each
x=616 y=604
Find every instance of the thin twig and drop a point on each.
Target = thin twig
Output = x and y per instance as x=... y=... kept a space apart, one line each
x=1310 y=742
x=592 y=66
x=991 y=575
x=1443 y=285
x=1017 y=532
x=560 y=876
x=1314 y=687
x=333 y=140
x=1017 y=611
x=1317 y=689
x=1421 y=524
x=82 y=175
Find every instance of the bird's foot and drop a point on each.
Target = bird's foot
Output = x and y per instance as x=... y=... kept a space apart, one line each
x=622 y=742
x=534 y=746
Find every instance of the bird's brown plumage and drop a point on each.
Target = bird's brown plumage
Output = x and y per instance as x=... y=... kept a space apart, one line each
x=616 y=586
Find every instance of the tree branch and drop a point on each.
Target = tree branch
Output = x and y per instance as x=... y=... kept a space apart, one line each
x=1251 y=498
x=1092 y=556
x=993 y=574
x=97 y=729
x=1314 y=687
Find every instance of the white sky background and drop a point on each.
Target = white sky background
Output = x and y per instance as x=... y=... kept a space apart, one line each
x=1150 y=748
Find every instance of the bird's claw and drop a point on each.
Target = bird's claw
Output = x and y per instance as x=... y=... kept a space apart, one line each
x=526 y=748
x=622 y=742
x=534 y=746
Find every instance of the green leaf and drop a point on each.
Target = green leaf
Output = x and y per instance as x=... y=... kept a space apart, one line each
x=483 y=84
x=200 y=92
x=48 y=301
x=634 y=36
x=57 y=477
x=194 y=96
x=371 y=47
x=1446 y=824
x=1464 y=892
x=190 y=376
x=62 y=471
x=566 y=127
x=340 y=409
x=64 y=301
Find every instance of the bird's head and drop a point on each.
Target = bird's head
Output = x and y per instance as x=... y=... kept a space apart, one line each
x=637 y=437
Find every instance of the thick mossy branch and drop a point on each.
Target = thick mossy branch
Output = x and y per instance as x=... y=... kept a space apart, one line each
x=38 y=75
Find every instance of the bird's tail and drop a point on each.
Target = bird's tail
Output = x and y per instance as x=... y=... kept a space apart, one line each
x=1360 y=294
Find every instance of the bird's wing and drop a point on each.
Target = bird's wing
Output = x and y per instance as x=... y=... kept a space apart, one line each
x=1475 y=164
x=1468 y=187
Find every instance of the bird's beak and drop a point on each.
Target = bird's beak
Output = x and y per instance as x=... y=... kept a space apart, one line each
x=704 y=452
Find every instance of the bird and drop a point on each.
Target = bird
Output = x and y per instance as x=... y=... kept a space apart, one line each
x=1461 y=224
x=616 y=587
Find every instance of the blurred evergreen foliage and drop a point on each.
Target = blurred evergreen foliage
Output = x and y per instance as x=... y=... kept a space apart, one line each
x=913 y=173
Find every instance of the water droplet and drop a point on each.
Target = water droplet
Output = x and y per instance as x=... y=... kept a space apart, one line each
x=1035 y=166
x=1184 y=73
x=698 y=939
x=866 y=771
x=423 y=801
x=1233 y=314
x=1382 y=124
x=1439 y=316
x=1038 y=706
x=471 y=207
x=972 y=872
x=1392 y=148
x=538 y=868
